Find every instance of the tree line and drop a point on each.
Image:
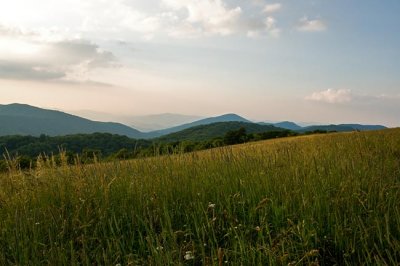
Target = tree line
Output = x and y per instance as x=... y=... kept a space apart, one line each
x=87 y=148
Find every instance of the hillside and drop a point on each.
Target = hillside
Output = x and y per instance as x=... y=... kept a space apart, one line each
x=342 y=128
x=215 y=130
x=364 y=127
x=20 y=119
x=339 y=128
x=311 y=200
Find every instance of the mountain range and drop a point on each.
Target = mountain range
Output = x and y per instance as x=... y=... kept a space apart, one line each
x=144 y=123
x=22 y=119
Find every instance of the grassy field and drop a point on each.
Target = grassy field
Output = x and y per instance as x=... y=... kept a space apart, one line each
x=314 y=200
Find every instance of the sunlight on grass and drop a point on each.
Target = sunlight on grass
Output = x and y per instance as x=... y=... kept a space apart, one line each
x=314 y=200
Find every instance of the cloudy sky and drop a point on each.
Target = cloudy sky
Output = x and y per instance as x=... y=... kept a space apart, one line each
x=328 y=61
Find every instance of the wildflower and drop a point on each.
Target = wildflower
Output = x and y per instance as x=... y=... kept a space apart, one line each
x=258 y=229
x=189 y=255
x=211 y=205
x=159 y=248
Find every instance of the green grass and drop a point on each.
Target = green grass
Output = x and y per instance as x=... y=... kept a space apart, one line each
x=314 y=200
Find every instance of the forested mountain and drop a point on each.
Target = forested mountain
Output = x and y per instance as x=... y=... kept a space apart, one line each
x=215 y=130
x=21 y=119
x=206 y=121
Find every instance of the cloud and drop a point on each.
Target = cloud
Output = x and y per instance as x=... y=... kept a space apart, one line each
x=75 y=52
x=206 y=16
x=194 y=19
x=271 y=8
x=7 y=31
x=118 y=15
x=28 y=71
x=332 y=96
x=311 y=25
x=342 y=96
x=122 y=19
x=67 y=61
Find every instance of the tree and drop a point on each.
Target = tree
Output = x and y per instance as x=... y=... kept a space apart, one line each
x=235 y=136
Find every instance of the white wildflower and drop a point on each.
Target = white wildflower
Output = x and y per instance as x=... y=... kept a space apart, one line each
x=189 y=255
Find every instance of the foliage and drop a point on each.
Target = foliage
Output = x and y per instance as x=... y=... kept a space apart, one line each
x=236 y=136
x=105 y=143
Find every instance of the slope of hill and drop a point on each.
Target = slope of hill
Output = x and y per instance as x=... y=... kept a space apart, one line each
x=342 y=128
x=364 y=127
x=338 y=128
x=315 y=200
x=206 y=121
x=20 y=119
x=214 y=130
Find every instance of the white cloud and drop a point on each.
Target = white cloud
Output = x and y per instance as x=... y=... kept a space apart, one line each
x=208 y=16
x=332 y=96
x=116 y=16
x=69 y=60
x=271 y=8
x=311 y=25
x=133 y=19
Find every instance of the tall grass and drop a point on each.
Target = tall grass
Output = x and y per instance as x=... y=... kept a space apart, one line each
x=315 y=200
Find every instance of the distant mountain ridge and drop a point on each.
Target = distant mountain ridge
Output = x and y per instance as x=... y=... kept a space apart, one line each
x=285 y=124
x=206 y=121
x=163 y=121
x=22 y=119
x=144 y=123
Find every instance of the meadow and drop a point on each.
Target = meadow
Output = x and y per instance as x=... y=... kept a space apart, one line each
x=329 y=199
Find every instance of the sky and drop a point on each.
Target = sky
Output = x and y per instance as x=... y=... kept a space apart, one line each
x=327 y=61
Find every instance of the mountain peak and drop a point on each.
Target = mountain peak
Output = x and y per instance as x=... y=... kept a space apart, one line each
x=231 y=115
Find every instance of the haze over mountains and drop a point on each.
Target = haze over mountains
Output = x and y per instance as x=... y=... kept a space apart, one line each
x=145 y=123
x=21 y=119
